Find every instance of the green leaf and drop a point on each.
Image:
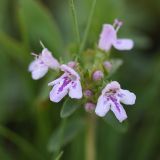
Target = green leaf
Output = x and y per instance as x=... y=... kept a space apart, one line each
x=70 y=131
x=69 y=107
x=116 y=63
x=40 y=25
x=112 y=121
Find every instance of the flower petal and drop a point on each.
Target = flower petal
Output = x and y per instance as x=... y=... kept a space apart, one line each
x=102 y=107
x=114 y=85
x=75 y=90
x=39 y=72
x=38 y=69
x=123 y=44
x=118 y=110
x=48 y=59
x=32 y=66
x=57 y=80
x=127 y=97
x=60 y=90
x=107 y=37
x=69 y=70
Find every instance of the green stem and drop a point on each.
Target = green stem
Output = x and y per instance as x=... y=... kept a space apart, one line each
x=75 y=21
x=26 y=147
x=90 y=138
x=88 y=26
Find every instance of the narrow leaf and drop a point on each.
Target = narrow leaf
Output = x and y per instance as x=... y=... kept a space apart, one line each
x=70 y=131
x=69 y=107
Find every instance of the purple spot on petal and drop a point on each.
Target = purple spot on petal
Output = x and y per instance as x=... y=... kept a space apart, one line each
x=114 y=100
x=74 y=84
x=120 y=95
x=65 y=83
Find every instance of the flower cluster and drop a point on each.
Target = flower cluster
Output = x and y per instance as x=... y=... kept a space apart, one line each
x=91 y=78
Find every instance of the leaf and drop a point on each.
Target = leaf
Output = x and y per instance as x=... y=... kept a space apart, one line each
x=112 y=121
x=70 y=131
x=116 y=63
x=69 y=107
x=40 y=25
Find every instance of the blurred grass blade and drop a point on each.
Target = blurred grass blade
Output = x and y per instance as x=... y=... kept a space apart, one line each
x=75 y=21
x=69 y=107
x=23 y=145
x=113 y=122
x=70 y=131
x=59 y=156
x=86 y=32
x=40 y=25
x=13 y=48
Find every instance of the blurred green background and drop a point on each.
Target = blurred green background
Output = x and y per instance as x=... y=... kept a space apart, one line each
x=30 y=125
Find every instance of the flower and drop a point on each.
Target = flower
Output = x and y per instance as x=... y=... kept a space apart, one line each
x=108 y=37
x=39 y=67
x=111 y=97
x=68 y=83
x=97 y=75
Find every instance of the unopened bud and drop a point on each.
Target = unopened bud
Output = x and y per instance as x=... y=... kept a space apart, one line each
x=72 y=64
x=88 y=93
x=97 y=75
x=107 y=65
x=89 y=107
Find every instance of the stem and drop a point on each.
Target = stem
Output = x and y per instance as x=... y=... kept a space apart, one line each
x=88 y=26
x=75 y=22
x=90 y=138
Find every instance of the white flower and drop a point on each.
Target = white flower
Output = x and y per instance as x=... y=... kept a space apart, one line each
x=108 y=37
x=111 y=97
x=68 y=83
x=39 y=67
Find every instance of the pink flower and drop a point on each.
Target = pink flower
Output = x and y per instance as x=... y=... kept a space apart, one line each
x=39 y=67
x=111 y=97
x=68 y=83
x=108 y=37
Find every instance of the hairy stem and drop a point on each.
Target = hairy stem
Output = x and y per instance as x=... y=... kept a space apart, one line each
x=88 y=26
x=90 y=138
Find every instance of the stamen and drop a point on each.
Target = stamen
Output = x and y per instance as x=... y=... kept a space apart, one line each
x=35 y=55
x=117 y=24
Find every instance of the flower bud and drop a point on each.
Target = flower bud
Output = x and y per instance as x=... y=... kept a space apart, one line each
x=72 y=64
x=89 y=107
x=88 y=93
x=107 y=65
x=97 y=75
